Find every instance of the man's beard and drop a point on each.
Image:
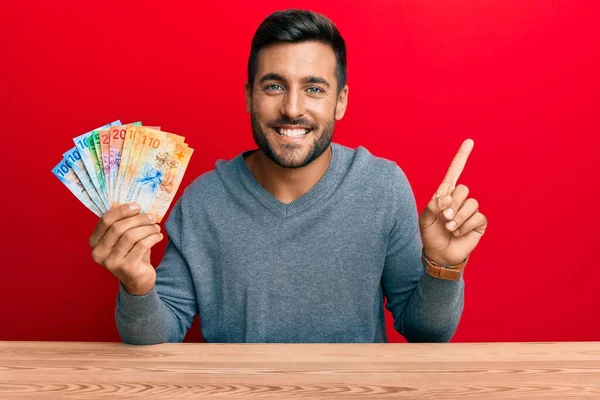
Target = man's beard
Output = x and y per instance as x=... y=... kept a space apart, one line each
x=318 y=147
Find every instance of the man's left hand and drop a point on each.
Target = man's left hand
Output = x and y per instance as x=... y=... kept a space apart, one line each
x=449 y=238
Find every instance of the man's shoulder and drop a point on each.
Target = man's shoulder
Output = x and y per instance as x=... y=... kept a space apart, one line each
x=364 y=163
x=212 y=183
x=204 y=181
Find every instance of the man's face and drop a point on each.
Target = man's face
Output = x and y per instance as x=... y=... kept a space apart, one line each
x=294 y=103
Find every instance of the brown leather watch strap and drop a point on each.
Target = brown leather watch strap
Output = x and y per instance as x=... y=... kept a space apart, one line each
x=441 y=272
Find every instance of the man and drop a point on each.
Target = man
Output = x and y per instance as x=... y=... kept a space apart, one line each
x=302 y=239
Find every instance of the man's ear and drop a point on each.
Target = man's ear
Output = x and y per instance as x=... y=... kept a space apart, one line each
x=342 y=103
x=248 y=97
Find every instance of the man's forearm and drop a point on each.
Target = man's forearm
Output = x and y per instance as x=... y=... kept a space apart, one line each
x=433 y=311
x=146 y=319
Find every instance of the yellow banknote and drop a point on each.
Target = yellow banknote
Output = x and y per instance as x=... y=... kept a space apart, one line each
x=143 y=140
x=175 y=165
x=147 y=173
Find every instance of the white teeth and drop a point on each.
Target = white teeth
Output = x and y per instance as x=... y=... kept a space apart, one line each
x=292 y=132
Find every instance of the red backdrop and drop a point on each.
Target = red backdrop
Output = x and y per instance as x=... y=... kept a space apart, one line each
x=520 y=77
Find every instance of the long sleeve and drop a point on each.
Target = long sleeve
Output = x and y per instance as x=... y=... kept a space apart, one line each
x=425 y=309
x=166 y=313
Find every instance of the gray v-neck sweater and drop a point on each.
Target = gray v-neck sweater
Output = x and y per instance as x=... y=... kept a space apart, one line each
x=314 y=270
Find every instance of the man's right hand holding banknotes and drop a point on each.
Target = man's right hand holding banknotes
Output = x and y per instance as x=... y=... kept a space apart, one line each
x=121 y=242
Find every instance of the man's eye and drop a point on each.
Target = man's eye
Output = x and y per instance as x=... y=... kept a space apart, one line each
x=315 y=90
x=274 y=87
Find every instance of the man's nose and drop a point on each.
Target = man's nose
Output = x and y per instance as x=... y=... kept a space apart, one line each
x=293 y=104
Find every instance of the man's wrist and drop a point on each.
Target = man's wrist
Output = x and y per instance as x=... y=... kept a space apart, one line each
x=137 y=290
x=444 y=264
x=443 y=271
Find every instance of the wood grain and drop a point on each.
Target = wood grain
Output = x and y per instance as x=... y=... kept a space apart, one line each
x=562 y=370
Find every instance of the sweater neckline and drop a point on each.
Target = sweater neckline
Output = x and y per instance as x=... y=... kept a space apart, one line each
x=300 y=204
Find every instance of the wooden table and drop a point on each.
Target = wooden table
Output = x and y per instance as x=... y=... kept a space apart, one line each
x=563 y=370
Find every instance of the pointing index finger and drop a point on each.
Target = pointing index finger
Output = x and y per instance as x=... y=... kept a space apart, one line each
x=456 y=167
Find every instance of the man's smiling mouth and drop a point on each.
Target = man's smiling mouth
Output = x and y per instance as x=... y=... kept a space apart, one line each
x=295 y=132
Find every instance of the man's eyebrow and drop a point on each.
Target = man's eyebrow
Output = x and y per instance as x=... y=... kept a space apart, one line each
x=309 y=79
x=315 y=79
x=271 y=77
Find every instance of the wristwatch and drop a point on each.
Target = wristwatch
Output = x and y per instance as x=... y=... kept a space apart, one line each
x=439 y=271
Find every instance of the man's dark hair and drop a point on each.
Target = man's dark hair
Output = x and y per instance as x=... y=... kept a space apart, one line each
x=296 y=26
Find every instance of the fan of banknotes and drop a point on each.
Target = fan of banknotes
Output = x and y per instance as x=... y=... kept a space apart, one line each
x=117 y=164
